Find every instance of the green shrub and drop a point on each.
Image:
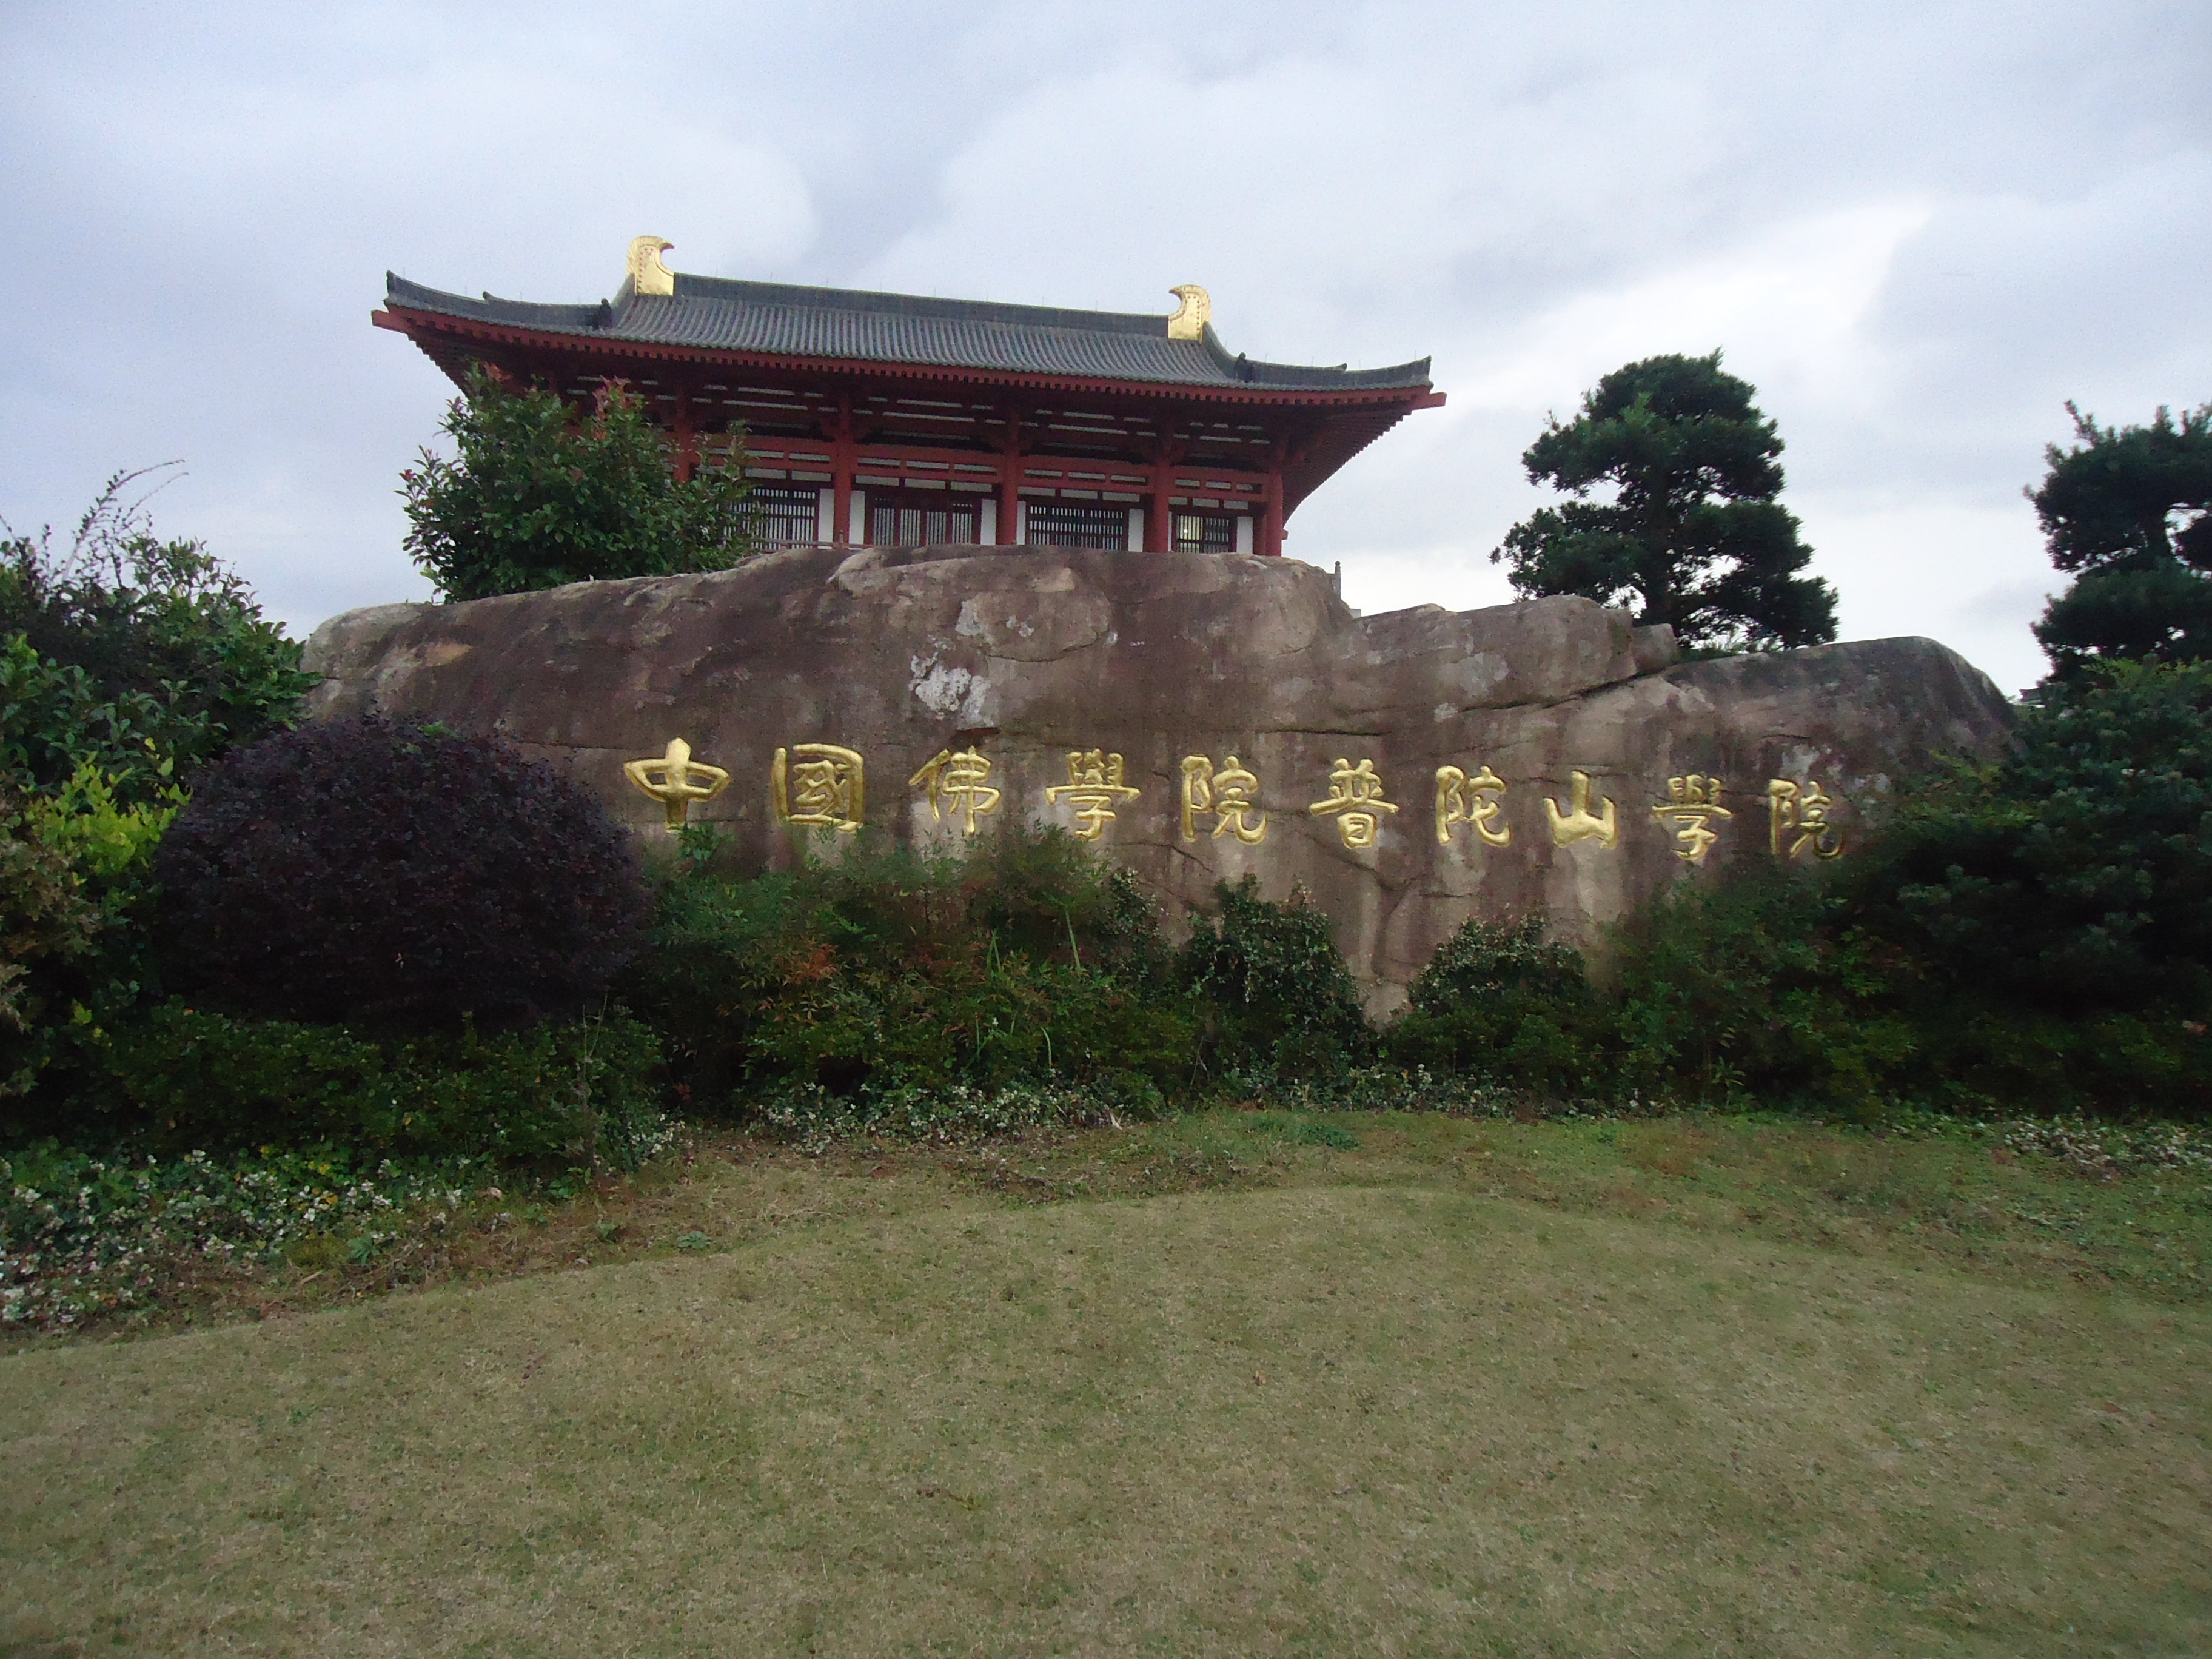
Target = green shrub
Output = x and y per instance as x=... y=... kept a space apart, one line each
x=583 y=1091
x=73 y=882
x=1024 y=961
x=46 y=920
x=1272 y=995
x=147 y=657
x=1501 y=1001
x=1758 y=990
x=2076 y=877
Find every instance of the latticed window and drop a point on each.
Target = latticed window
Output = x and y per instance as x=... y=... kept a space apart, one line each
x=916 y=520
x=1063 y=524
x=1204 y=532
x=784 y=517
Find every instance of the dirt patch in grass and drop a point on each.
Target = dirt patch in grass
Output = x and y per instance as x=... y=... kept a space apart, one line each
x=1312 y=1415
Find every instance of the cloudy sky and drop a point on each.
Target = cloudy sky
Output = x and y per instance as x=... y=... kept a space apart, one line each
x=1919 y=229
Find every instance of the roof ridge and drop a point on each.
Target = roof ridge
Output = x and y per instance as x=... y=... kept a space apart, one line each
x=879 y=301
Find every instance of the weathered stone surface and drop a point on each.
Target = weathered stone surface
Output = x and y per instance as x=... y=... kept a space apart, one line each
x=1028 y=654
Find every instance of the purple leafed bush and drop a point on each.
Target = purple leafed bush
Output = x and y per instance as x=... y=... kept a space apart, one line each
x=375 y=871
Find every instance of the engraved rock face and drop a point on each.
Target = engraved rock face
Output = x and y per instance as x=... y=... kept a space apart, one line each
x=1612 y=770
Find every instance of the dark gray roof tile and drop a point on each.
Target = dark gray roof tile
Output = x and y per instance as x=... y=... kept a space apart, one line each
x=782 y=319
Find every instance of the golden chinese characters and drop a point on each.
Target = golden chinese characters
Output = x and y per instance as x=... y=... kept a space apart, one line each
x=957 y=783
x=1464 y=800
x=1226 y=793
x=1693 y=802
x=1579 y=823
x=1798 y=814
x=1094 y=786
x=819 y=784
x=675 y=779
x=1355 y=794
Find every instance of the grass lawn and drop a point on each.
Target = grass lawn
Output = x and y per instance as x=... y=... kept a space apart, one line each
x=1225 y=1386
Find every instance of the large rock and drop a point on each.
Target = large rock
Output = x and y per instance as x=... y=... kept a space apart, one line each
x=1029 y=656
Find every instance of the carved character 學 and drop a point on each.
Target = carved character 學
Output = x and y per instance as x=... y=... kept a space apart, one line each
x=821 y=785
x=957 y=783
x=1226 y=793
x=1471 y=800
x=1094 y=786
x=1692 y=801
x=1355 y=795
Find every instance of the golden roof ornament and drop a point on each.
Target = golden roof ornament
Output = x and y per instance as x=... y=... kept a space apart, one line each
x=646 y=273
x=1197 y=311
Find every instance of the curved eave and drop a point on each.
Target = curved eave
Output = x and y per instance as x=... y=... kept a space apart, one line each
x=417 y=324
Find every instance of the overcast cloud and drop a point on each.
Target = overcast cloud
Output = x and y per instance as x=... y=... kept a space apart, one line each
x=1918 y=229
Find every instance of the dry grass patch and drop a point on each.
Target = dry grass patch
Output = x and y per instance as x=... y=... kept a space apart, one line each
x=1320 y=1419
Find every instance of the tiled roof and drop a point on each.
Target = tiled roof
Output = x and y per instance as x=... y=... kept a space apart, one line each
x=781 y=319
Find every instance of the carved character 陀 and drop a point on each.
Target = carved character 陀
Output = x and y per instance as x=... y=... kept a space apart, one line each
x=1471 y=800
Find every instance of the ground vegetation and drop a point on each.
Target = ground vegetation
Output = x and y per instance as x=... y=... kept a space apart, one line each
x=1708 y=1384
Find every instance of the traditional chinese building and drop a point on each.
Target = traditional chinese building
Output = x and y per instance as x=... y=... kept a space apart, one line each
x=890 y=420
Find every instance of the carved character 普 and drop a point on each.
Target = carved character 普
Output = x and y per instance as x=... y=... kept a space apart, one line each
x=1355 y=796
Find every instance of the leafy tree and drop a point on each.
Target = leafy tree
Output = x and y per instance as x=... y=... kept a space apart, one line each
x=534 y=496
x=1692 y=534
x=146 y=657
x=2128 y=510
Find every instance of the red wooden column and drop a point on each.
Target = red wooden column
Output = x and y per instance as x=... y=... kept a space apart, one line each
x=1010 y=481
x=840 y=473
x=1271 y=519
x=1159 y=514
